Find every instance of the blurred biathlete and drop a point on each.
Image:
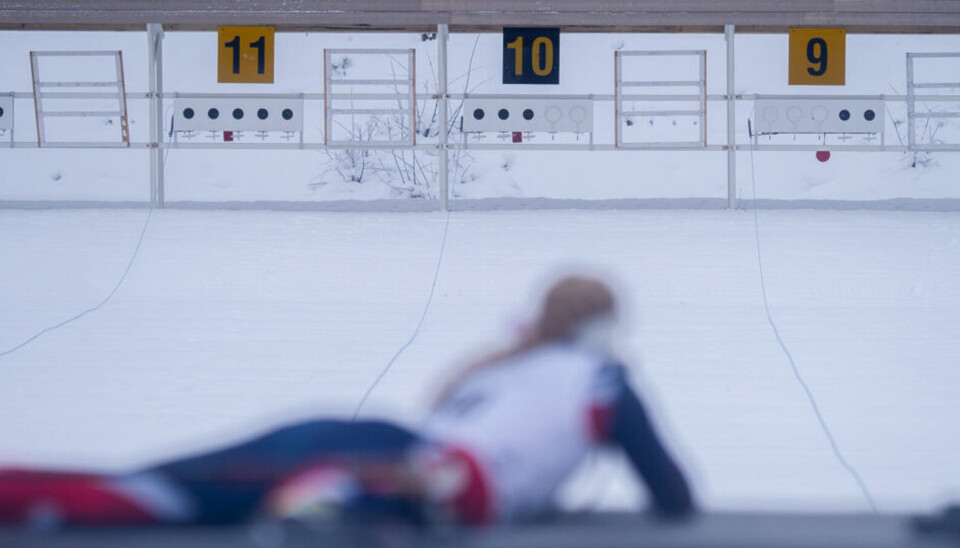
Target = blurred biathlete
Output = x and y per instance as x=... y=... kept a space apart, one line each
x=499 y=441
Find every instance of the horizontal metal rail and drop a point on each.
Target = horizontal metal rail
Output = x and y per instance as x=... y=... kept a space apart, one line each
x=75 y=95
x=401 y=111
x=937 y=85
x=661 y=113
x=937 y=114
x=651 y=97
x=678 y=147
x=755 y=96
x=934 y=54
x=663 y=53
x=352 y=145
x=363 y=51
x=369 y=96
x=77 y=85
x=832 y=148
x=71 y=144
x=193 y=95
x=370 y=82
x=215 y=145
x=421 y=98
x=96 y=53
x=80 y=113
x=660 y=83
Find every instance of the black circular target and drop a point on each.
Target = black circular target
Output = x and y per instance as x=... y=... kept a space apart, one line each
x=1 y=111
x=869 y=115
x=844 y=115
x=503 y=114
x=213 y=113
x=237 y=113
x=287 y=114
x=478 y=114
x=263 y=114
x=188 y=113
x=528 y=114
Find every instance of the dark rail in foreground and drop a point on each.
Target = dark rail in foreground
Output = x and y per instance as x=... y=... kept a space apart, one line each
x=568 y=531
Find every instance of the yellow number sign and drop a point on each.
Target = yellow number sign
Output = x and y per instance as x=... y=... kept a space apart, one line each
x=245 y=55
x=818 y=57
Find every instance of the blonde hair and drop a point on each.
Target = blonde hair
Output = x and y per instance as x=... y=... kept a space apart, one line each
x=569 y=303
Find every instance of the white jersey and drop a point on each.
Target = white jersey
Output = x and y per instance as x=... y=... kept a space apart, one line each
x=526 y=421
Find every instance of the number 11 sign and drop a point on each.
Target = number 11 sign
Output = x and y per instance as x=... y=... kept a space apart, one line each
x=818 y=57
x=245 y=55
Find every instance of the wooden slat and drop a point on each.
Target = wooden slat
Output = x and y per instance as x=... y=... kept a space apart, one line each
x=671 y=15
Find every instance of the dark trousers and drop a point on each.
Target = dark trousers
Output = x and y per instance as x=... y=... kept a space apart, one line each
x=228 y=485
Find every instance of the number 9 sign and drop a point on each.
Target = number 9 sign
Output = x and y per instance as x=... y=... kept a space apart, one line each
x=531 y=56
x=818 y=57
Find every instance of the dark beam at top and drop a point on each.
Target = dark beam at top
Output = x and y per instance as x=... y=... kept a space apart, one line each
x=587 y=15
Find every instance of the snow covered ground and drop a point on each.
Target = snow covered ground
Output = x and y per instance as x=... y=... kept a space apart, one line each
x=231 y=321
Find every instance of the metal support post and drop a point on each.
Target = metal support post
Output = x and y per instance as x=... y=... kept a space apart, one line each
x=911 y=105
x=442 y=36
x=155 y=70
x=729 y=31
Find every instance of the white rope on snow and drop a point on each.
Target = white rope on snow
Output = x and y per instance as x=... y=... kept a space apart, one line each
x=97 y=306
x=116 y=287
x=806 y=389
x=416 y=331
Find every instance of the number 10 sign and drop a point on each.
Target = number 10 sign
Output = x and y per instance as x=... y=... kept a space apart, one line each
x=245 y=55
x=818 y=57
x=531 y=55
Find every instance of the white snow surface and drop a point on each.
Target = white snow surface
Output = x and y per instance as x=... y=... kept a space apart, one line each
x=229 y=322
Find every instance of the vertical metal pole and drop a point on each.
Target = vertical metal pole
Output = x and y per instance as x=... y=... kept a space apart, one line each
x=617 y=66
x=728 y=31
x=327 y=90
x=911 y=105
x=13 y=126
x=412 y=98
x=37 y=97
x=703 y=98
x=155 y=70
x=442 y=36
x=122 y=100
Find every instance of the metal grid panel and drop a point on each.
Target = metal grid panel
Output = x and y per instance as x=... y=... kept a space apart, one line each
x=698 y=109
x=405 y=96
x=74 y=90
x=913 y=86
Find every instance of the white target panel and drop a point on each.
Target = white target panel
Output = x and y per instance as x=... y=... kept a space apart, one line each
x=6 y=113
x=238 y=114
x=833 y=115
x=560 y=115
